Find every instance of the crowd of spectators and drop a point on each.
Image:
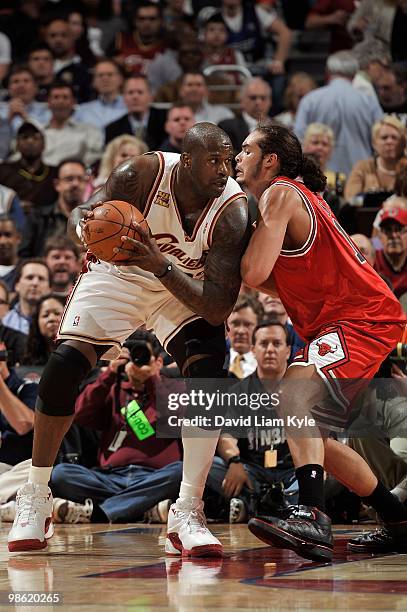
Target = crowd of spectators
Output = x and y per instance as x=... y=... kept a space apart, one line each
x=86 y=85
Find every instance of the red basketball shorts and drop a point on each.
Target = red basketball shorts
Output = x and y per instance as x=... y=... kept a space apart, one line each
x=347 y=355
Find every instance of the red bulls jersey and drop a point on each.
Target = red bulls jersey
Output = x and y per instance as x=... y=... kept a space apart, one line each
x=328 y=280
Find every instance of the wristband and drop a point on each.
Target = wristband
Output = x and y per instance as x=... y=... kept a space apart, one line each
x=235 y=459
x=78 y=230
x=166 y=271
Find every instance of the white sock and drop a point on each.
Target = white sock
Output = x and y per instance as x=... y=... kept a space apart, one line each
x=199 y=449
x=39 y=475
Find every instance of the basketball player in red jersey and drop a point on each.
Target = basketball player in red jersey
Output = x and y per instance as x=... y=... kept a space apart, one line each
x=350 y=320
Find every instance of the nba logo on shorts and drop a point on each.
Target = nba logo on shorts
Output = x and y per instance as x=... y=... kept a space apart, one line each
x=76 y=320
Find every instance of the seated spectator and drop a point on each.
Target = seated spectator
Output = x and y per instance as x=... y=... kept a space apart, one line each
x=109 y=104
x=41 y=63
x=31 y=283
x=180 y=118
x=70 y=186
x=84 y=47
x=134 y=50
x=244 y=317
x=333 y=16
x=68 y=66
x=142 y=471
x=255 y=106
x=64 y=136
x=62 y=257
x=261 y=459
x=377 y=174
x=391 y=87
x=249 y=25
x=141 y=120
x=273 y=309
x=374 y=59
x=349 y=113
x=319 y=142
x=22 y=105
x=30 y=176
x=194 y=92
x=168 y=69
x=174 y=15
x=117 y=151
x=15 y=341
x=366 y=247
x=216 y=49
x=43 y=329
x=10 y=239
x=391 y=262
x=299 y=84
x=373 y=19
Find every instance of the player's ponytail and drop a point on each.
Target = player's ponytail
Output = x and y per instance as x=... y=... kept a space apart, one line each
x=284 y=143
x=312 y=175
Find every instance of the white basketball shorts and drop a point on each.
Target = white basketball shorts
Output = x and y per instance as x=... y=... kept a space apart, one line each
x=106 y=306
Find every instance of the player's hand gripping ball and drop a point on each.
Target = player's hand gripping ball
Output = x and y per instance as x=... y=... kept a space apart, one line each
x=102 y=231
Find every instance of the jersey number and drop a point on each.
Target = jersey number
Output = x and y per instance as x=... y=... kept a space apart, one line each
x=352 y=245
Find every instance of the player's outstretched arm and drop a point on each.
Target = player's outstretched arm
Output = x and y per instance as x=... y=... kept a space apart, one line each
x=276 y=207
x=213 y=297
x=131 y=182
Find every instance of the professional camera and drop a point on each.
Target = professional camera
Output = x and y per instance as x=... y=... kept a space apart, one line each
x=140 y=352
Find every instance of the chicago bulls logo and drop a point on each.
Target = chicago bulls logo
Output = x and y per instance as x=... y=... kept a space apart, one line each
x=324 y=348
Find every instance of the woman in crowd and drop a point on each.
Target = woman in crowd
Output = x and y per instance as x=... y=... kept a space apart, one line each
x=117 y=151
x=43 y=329
x=319 y=142
x=377 y=174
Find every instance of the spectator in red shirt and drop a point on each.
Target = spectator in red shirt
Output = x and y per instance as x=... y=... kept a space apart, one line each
x=392 y=261
x=134 y=50
x=135 y=472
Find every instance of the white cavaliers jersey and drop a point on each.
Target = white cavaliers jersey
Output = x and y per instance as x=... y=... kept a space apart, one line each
x=188 y=253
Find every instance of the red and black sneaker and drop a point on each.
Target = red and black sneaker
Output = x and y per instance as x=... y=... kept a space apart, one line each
x=392 y=537
x=305 y=530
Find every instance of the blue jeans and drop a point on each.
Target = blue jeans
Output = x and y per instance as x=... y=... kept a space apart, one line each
x=258 y=476
x=123 y=493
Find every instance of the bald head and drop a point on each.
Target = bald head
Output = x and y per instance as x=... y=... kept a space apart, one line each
x=365 y=246
x=206 y=136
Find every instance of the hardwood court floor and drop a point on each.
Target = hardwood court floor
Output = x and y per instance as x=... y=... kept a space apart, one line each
x=122 y=567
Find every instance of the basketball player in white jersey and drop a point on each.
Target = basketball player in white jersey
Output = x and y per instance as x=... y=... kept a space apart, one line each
x=182 y=284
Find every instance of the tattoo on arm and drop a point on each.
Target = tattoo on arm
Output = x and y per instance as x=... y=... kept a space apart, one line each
x=214 y=297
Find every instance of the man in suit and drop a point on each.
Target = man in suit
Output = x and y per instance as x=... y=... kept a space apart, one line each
x=255 y=105
x=141 y=120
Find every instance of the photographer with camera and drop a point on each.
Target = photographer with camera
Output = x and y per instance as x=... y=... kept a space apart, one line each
x=137 y=472
x=17 y=402
x=256 y=473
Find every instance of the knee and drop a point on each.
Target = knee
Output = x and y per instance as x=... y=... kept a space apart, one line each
x=59 y=384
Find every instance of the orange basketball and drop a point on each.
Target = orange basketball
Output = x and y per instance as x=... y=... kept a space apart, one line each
x=110 y=221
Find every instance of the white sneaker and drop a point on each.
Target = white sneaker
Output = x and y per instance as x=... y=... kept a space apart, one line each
x=159 y=512
x=66 y=511
x=32 y=525
x=8 y=511
x=237 y=511
x=187 y=533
